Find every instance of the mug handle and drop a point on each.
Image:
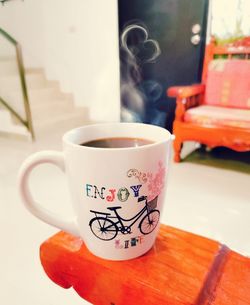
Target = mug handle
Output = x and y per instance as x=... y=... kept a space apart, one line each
x=53 y=157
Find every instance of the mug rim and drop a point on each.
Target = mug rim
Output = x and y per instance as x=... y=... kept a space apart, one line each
x=165 y=137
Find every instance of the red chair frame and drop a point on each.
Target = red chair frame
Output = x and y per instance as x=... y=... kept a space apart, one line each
x=191 y=96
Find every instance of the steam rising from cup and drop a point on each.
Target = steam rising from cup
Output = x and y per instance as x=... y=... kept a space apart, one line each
x=132 y=97
x=153 y=42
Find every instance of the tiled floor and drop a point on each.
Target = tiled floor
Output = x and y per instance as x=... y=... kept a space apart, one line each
x=204 y=200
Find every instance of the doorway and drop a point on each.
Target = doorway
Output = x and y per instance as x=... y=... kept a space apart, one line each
x=161 y=44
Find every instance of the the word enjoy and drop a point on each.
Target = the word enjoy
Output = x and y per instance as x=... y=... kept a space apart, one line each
x=110 y=194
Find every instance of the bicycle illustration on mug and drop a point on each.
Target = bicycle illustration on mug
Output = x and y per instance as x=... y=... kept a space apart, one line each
x=106 y=227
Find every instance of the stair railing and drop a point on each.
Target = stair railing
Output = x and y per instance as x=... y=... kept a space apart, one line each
x=27 y=122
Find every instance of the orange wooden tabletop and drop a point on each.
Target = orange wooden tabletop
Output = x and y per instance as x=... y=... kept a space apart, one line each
x=181 y=268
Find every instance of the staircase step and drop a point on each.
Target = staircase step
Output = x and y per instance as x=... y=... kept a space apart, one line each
x=55 y=107
x=51 y=109
x=45 y=95
x=42 y=102
x=77 y=112
x=33 y=81
x=7 y=126
x=8 y=66
x=52 y=124
x=38 y=95
x=34 y=70
x=75 y=118
x=69 y=120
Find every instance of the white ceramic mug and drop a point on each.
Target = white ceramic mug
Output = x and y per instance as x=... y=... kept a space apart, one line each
x=117 y=193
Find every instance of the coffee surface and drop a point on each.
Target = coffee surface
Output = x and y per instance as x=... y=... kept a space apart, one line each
x=117 y=142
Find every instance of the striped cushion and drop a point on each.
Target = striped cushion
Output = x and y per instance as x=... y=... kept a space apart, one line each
x=218 y=116
x=228 y=83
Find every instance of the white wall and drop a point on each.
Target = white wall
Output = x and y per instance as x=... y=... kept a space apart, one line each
x=225 y=16
x=23 y=21
x=76 y=42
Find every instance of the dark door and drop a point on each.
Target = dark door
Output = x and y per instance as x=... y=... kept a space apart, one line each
x=162 y=44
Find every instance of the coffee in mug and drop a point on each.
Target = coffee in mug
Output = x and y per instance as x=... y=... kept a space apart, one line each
x=117 y=142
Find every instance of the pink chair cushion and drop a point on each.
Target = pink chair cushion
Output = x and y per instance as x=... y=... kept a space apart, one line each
x=218 y=116
x=228 y=83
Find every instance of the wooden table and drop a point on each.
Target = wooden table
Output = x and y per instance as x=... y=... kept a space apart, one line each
x=182 y=268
